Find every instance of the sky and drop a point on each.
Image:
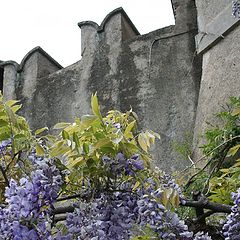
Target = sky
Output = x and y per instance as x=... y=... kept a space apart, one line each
x=52 y=24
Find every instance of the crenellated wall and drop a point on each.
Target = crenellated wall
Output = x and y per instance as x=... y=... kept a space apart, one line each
x=157 y=74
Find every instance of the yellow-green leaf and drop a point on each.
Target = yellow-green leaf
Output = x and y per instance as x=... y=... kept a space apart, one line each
x=76 y=140
x=65 y=134
x=95 y=106
x=15 y=108
x=128 y=130
x=102 y=142
x=59 y=151
x=175 y=199
x=232 y=151
x=86 y=148
x=164 y=197
x=3 y=123
x=10 y=103
x=39 y=150
x=136 y=185
x=143 y=142
x=87 y=120
x=4 y=136
x=50 y=138
x=61 y=125
x=73 y=162
x=11 y=115
x=236 y=111
x=40 y=130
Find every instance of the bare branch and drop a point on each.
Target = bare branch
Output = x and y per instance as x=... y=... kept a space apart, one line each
x=205 y=204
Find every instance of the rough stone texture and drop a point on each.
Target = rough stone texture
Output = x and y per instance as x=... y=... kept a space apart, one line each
x=162 y=88
x=10 y=86
x=210 y=33
x=156 y=74
x=208 y=10
x=220 y=75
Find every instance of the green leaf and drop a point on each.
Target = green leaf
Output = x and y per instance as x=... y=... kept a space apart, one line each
x=59 y=151
x=102 y=142
x=136 y=185
x=164 y=197
x=232 y=151
x=175 y=199
x=85 y=148
x=128 y=130
x=236 y=112
x=49 y=138
x=40 y=130
x=88 y=120
x=75 y=162
x=95 y=106
x=15 y=108
x=3 y=123
x=19 y=136
x=143 y=142
x=39 y=150
x=10 y=103
x=109 y=150
x=11 y=115
x=76 y=140
x=65 y=134
x=5 y=136
x=61 y=125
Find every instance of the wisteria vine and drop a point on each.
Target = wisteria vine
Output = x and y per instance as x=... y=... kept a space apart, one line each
x=30 y=202
x=117 y=214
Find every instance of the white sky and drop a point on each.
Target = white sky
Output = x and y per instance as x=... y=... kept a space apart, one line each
x=52 y=24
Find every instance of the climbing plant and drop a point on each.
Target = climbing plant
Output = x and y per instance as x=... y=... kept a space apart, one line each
x=94 y=179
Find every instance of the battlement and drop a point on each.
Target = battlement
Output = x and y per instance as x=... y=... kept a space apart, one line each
x=146 y=72
x=115 y=28
x=35 y=64
x=158 y=74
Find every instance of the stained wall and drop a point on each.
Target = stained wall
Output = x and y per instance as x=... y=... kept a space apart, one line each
x=157 y=74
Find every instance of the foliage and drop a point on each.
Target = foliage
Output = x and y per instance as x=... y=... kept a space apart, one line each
x=91 y=139
x=184 y=147
x=104 y=162
x=103 y=158
x=222 y=137
x=223 y=143
x=15 y=138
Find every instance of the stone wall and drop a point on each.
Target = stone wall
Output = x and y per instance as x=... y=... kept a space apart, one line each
x=218 y=42
x=157 y=74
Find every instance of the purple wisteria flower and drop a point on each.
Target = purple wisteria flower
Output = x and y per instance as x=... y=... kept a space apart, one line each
x=121 y=165
x=236 y=8
x=30 y=204
x=231 y=229
x=5 y=143
x=3 y=149
x=111 y=213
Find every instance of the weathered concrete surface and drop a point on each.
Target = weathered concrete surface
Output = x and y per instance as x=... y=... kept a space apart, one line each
x=36 y=64
x=220 y=75
x=156 y=74
x=208 y=10
x=162 y=89
x=9 y=86
x=215 y=30
x=220 y=80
